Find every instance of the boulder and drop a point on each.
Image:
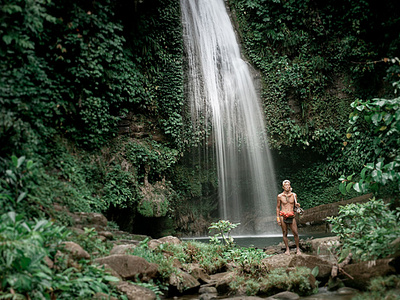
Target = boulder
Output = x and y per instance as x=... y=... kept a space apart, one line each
x=222 y=284
x=107 y=234
x=312 y=261
x=110 y=271
x=129 y=266
x=122 y=249
x=322 y=246
x=278 y=261
x=183 y=281
x=198 y=273
x=134 y=292
x=153 y=244
x=363 y=272
x=75 y=250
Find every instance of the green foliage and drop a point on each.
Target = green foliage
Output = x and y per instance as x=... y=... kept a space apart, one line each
x=156 y=157
x=24 y=246
x=275 y=281
x=278 y=280
x=296 y=46
x=69 y=70
x=15 y=183
x=314 y=60
x=100 y=79
x=210 y=257
x=158 y=48
x=380 y=118
x=367 y=229
x=165 y=264
x=223 y=228
x=248 y=261
x=151 y=286
x=379 y=287
x=90 y=241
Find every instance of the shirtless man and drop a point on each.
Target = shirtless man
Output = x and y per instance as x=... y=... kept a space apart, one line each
x=284 y=207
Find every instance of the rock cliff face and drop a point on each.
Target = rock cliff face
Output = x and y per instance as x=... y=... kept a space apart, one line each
x=137 y=126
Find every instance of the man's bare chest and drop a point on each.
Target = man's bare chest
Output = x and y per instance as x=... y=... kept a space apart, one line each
x=287 y=198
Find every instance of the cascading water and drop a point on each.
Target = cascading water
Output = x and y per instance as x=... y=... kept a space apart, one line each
x=221 y=91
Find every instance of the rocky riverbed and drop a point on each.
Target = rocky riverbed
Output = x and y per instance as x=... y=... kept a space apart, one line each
x=194 y=282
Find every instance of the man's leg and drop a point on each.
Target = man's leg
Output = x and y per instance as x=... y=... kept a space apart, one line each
x=293 y=227
x=285 y=238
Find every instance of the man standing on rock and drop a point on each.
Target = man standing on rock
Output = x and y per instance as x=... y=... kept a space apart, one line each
x=285 y=214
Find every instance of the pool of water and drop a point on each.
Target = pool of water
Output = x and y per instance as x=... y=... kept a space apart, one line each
x=260 y=241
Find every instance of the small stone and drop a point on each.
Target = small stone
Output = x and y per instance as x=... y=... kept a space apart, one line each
x=346 y=291
x=207 y=289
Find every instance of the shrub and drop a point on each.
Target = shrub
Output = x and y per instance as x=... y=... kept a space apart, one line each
x=25 y=273
x=367 y=229
x=382 y=288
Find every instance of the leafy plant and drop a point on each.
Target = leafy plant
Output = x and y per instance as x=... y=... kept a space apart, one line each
x=381 y=287
x=382 y=120
x=248 y=260
x=223 y=228
x=367 y=229
x=24 y=246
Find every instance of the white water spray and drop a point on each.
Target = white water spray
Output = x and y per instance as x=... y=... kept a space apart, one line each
x=221 y=90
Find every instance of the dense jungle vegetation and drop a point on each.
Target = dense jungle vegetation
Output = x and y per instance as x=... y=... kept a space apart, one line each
x=93 y=94
x=94 y=116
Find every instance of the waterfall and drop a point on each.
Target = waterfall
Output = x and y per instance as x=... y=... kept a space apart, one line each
x=222 y=93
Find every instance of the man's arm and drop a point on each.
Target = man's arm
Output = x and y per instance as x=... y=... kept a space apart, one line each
x=295 y=200
x=278 y=208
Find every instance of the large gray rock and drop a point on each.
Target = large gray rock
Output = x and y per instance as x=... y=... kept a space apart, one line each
x=135 y=292
x=129 y=266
